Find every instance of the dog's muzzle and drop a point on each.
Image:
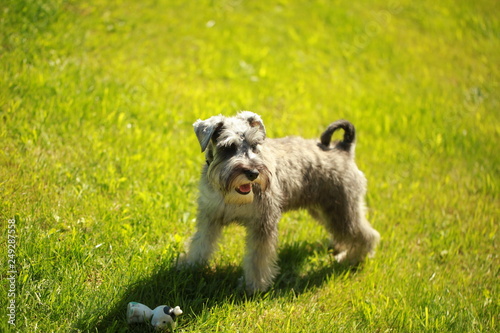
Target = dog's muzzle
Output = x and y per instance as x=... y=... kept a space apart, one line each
x=251 y=175
x=244 y=189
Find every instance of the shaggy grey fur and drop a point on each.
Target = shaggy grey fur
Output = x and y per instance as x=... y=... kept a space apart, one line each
x=250 y=179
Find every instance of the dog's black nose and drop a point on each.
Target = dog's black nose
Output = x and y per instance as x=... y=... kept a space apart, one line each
x=251 y=174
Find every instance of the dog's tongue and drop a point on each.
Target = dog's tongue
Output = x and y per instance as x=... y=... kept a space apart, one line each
x=245 y=188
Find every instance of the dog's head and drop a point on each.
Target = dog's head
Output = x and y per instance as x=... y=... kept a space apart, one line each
x=232 y=148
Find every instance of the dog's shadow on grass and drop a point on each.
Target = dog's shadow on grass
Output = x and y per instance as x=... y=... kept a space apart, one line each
x=195 y=291
x=304 y=266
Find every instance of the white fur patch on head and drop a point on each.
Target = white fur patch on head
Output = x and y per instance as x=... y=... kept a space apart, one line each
x=253 y=119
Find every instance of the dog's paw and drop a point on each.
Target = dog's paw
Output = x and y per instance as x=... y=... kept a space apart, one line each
x=251 y=288
x=347 y=258
x=182 y=262
x=341 y=257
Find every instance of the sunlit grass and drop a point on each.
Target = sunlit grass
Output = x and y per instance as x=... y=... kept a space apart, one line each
x=99 y=163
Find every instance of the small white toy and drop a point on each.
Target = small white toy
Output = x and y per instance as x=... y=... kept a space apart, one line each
x=161 y=317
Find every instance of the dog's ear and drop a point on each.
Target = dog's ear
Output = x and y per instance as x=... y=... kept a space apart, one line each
x=253 y=119
x=205 y=129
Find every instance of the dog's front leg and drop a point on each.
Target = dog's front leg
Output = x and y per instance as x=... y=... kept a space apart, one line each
x=203 y=242
x=260 y=263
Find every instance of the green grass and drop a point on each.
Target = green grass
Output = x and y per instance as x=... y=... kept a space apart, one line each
x=99 y=162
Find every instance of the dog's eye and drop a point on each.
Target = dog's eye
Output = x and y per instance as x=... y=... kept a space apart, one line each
x=231 y=149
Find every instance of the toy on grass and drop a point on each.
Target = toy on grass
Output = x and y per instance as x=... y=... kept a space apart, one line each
x=161 y=317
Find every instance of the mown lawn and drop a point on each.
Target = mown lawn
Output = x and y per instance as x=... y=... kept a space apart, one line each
x=99 y=163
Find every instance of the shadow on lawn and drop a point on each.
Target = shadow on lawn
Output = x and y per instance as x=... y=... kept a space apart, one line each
x=197 y=290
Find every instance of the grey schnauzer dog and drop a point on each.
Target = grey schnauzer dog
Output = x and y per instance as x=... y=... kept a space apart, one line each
x=251 y=180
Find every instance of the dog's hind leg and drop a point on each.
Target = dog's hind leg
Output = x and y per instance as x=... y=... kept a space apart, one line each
x=353 y=238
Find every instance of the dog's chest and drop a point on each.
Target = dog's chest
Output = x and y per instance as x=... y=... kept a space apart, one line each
x=240 y=214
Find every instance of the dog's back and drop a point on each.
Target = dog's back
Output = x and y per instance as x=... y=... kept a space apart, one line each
x=310 y=170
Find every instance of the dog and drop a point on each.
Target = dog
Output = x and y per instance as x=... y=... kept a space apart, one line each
x=251 y=180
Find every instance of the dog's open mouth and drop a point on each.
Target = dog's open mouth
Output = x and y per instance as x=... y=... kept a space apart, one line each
x=244 y=189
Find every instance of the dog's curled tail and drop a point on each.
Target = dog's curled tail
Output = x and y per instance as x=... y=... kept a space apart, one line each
x=349 y=134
